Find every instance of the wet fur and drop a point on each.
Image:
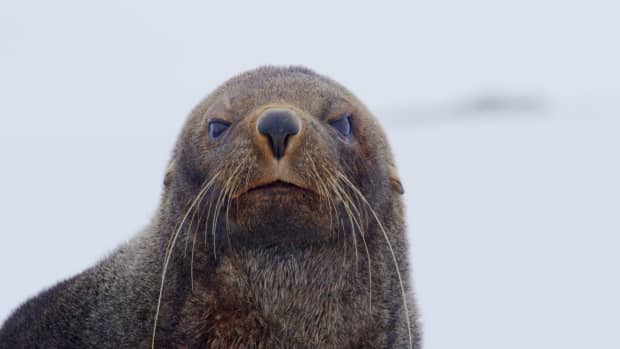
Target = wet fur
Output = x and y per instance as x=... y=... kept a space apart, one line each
x=230 y=276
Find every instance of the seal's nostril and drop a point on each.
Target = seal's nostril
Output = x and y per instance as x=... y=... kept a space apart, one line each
x=278 y=125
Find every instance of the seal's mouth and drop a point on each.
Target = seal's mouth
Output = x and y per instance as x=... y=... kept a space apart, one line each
x=275 y=187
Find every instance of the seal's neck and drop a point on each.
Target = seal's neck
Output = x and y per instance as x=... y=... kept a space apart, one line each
x=312 y=296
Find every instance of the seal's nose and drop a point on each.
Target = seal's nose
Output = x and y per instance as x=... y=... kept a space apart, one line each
x=278 y=125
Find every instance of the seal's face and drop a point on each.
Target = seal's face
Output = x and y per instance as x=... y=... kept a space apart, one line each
x=283 y=155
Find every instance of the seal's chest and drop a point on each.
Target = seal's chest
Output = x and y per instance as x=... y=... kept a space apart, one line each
x=216 y=320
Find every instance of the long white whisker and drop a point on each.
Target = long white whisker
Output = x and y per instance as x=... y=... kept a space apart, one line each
x=387 y=240
x=169 y=254
x=356 y=219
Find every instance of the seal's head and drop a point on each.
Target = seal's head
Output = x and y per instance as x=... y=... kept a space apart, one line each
x=286 y=178
x=282 y=155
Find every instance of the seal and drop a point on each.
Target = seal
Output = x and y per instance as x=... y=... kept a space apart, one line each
x=280 y=226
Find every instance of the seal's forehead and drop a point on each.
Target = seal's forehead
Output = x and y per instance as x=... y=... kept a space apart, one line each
x=293 y=85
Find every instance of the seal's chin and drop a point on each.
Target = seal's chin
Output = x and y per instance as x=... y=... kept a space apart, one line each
x=280 y=212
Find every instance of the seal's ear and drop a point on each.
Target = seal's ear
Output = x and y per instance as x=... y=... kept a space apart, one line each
x=397 y=186
x=169 y=172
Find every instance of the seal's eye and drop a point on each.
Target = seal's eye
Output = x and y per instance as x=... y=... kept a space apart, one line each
x=217 y=128
x=343 y=125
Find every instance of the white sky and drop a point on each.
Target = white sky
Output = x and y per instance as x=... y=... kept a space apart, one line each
x=513 y=221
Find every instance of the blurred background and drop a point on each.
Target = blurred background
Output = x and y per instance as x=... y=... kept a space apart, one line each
x=503 y=115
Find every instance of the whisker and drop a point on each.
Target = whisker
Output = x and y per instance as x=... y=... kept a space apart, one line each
x=347 y=208
x=361 y=230
x=191 y=264
x=206 y=225
x=233 y=188
x=333 y=209
x=219 y=205
x=389 y=244
x=323 y=191
x=168 y=254
x=191 y=225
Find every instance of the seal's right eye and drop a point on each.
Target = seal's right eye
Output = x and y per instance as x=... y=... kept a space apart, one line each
x=217 y=128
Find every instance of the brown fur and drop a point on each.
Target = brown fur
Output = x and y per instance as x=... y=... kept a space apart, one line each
x=225 y=266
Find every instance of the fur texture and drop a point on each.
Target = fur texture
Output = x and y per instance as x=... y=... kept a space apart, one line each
x=225 y=266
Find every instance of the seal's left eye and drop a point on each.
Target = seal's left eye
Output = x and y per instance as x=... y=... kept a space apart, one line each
x=343 y=125
x=217 y=128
